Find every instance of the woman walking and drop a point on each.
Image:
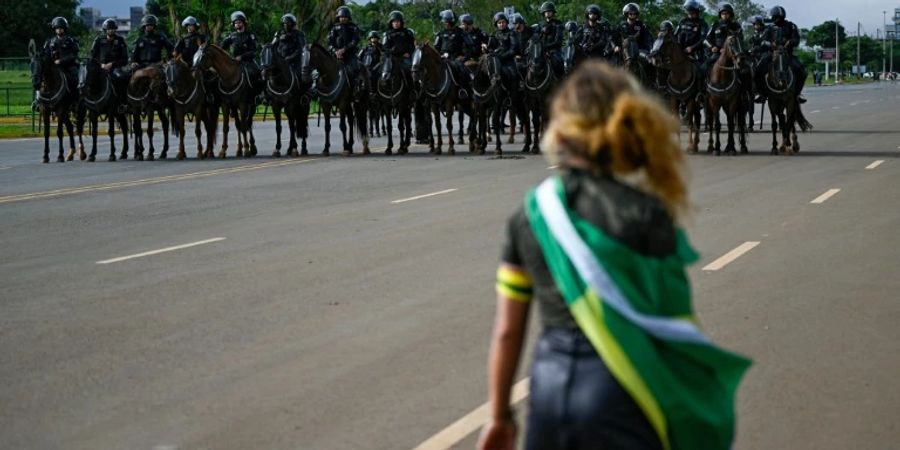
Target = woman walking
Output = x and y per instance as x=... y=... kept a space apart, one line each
x=621 y=363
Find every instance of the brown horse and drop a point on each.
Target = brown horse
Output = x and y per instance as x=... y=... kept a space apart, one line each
x=781 y=86
x=187 y=90
x=682 y=84
x=147 y=95
x=237 y=93
x=55 y=97
x=437 y=87
x=335 y=90
x=727 y=93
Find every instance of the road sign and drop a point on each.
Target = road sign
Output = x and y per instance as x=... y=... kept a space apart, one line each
x=826 y=54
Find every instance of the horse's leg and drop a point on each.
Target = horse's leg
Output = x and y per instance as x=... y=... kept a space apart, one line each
x=342 y=124
x=276 y=111
x=460 y=119
x=292 y=118
x=401 y=130
x=524 y=123
x=223 y=152
x=742 y=129
x=70 y=128
x=497 y=119
x=710 y=112
x=60 y=137
x=123 y=126
x=536 y=125
x=138 y=128
x=303 y=130
x=251 y=111
x=436 y=113
x=111 y=131
x=390 y=133
x=327 y=150
x=150 y=133
x=785 y=133
x=45 y=118
x=80 y=116
x=448 y=110
x=94 y=119
x=730 y=118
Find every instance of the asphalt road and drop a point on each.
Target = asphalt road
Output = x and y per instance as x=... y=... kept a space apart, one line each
x=342 y=312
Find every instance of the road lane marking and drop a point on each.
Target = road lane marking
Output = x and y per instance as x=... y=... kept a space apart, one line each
x=816 y=112
x=404 y=200
x=147 y=181
x=874 y=164
x=5 y=167
x=835 y=107
x=470 y=423
x=162 y=250
x=553 y=167
x=729 y=257
x=828 y=194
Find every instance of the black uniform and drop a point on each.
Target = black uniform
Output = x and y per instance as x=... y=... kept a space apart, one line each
x=345 y=36
x=524 y=38
x=398 y=43
x=64 y=49
x=504 y=44
x=289 y=45
x=716 y=37
x=637 y=31
x=690 y=35
x=113 y=51
x=149 y=47
x=551 y=37
x=455 y=43
x=593 y=40
x=476 y=37
x=787 y=36
x=370 y=55
x=188 y=45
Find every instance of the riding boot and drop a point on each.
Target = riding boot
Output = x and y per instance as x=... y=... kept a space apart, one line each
x=36 y=104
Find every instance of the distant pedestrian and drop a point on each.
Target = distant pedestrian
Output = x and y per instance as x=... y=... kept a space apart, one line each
x=621 y=362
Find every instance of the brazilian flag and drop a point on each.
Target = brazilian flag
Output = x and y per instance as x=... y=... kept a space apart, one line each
x=636 y=311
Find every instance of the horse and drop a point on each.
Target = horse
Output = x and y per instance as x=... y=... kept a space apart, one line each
x=147 y=95
x=187 y=90
x=286 y=92
x=377 y=114
x=98 y=95
x=397 y=96
x=437 y=87
x=633 y=60
x=727 y=93
x=781 y=86
x=238 y=96
x=57 y=98
x=338 y=92
x=540 y=80
x=683 y=83
x=491 y=93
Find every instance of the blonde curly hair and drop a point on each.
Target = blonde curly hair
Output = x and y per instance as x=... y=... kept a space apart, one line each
x=601 y=115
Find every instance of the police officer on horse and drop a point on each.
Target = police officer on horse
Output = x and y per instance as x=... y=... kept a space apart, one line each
x=594 y=36
x=453 y=44
x=551 y=37
x=784 y=34
x=63 y=51
x=188 y=45
x=342 y=42
x=149 y=46
x=504 y=44
x=110 y=50
x=399 y=42
x=726 y=26
x=242 y=44
x=633 y=27
x=692 y=30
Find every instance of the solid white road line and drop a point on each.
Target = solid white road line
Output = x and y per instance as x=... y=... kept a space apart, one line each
x=828 y=194
x=874 y=164
x=404 y=200
x=471 y=422
x=727 y=258
x=162 y=250
x=816 y=112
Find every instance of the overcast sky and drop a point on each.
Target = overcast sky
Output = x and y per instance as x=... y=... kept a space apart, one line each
x=805 y=13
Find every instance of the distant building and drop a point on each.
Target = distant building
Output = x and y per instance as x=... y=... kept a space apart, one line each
x=94 y=19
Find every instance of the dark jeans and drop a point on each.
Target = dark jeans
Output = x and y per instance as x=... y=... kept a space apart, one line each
x=576 y=403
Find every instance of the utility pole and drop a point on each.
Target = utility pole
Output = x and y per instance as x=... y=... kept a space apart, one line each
x=837 y=54
x=858 y=69
x=883 y=41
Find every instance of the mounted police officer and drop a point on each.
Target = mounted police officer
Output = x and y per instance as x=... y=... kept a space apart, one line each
x=692 y=30
x=110 y=50
x=551 y=37
x=63 y=50
x=242 y=44
x=188 y=45
x=784 y=34
x=149 y=46
x=399 y=41
x=504 y=44
x=453 y=44
x=525 y=32
x=477 y=38
x=372 y=51
x=633 y=27
x=289 y=42
x=342 y=42
x=760 y=49
x=720 y=31
x=593 y=39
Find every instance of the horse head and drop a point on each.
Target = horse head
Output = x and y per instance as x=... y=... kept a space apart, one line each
x=387 y=67
x=569 y=58
x=663 y=50
x=266 y=60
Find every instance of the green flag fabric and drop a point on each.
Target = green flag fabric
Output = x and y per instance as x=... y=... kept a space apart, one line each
x=636 y=311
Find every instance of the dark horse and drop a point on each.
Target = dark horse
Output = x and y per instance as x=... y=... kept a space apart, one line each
x=437 y=87
x=683 y=84
x=146 y=95
x=492 y=94
x=99 y=97
x=335 y=90
x=237 y=93
x=781 y=86
x=633 y=61
x=540 y=80
x=286 y=92
x=55 y=97
x=727 y=93
x=396 y=94
x=187 y=90
x=377 y=111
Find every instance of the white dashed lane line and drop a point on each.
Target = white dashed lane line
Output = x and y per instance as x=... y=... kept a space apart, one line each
x=822 y=198
x=729 y=257
x=874 y=164
x=162 y=250
x=404 y=200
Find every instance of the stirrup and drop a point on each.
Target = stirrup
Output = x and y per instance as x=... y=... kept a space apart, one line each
x=801 y=99
x=463 y=94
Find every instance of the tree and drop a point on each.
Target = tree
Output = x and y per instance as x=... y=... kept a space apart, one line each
x=823 y=35
x=22 y=21
x=743 y=9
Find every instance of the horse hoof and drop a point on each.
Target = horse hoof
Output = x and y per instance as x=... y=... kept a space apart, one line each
x=112 y=158
x=276 y=154
x=60 y=159
x=222 y=155
x=745 y=150
x=366 y=151
x=150 y=157
x=163 y=155
x=498 y=152
x=326 y=152
x=180 y=156
x=388 y=151
x=239 y=154
x=437 y=151
x=347 y=152
x=451 y=152
x=303 y=152
x=70 y=156
x=92 y=158
x=46 y=160
x=82 y=156
x=535 y=150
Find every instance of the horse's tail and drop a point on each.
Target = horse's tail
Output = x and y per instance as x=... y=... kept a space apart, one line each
x=361 y=120
x=173 y=123
x=211 y=122
x=801 y=120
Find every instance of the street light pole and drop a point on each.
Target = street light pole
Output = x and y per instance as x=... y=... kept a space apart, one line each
x=837 y=52
x=858 y=70
x=883 y=41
